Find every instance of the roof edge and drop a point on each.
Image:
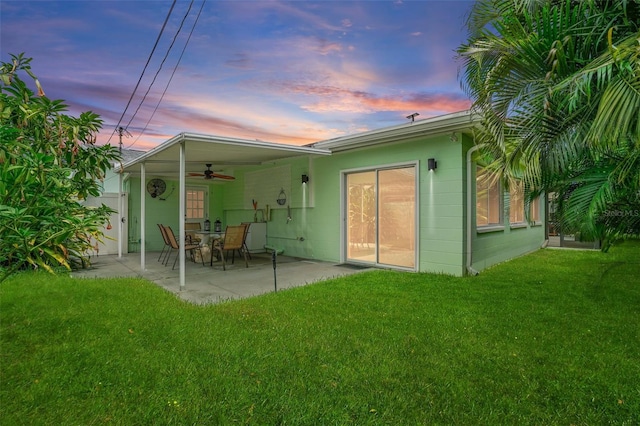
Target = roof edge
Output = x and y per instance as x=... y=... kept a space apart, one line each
x=164 y=145
x=431 y=126
x=196 y=137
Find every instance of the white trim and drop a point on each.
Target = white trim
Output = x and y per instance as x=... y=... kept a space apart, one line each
x=143 y=213
x=181 y=213
x=432 y=126
x=204 y=189
x=416 y=225
x=518 y=225
x=382 y=167
x=343 y=217
x=501 y=202
x=120 y=224
x=194 y=137
x=489 y=228
x=343 y=214
x=470 y=210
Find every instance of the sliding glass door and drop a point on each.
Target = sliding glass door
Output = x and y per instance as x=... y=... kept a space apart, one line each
x=362 y=212
x=381 y=216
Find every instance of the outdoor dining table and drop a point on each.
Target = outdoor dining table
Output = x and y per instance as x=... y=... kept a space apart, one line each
x=207 y=237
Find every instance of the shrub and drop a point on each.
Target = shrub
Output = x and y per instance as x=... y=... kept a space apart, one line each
x=49 y=163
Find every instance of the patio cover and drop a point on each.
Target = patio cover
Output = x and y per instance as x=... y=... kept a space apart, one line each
x=188 y=153
x=164 y=159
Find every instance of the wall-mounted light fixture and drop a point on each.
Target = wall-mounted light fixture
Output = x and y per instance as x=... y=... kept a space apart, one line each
x=305 y=179
x=432 y=164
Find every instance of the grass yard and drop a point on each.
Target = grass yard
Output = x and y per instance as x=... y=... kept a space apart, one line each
x=549 y=338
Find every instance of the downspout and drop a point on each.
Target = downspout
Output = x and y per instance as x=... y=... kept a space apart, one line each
x=122 y=179
x=123 y=182
x=469 y=256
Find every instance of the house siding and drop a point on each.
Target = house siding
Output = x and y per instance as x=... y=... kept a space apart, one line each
x=315 y=229
x=439 y=196
x=164 y=210
x=490 y=248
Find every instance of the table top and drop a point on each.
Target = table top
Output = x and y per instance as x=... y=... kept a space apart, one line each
x=210 y=234
x=209 y=237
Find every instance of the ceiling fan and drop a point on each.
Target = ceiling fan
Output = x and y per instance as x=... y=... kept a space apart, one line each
x=210 y=174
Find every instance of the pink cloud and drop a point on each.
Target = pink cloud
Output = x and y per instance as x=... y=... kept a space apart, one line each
x=324 y=48
x=327 y=98
x=210 y=117
x=430 y=104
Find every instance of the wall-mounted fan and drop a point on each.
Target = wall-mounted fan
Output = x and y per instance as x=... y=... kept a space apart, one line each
x=156 y=187
x=210 y=174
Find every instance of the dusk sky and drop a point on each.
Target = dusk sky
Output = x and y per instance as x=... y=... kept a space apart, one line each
x=290 y=72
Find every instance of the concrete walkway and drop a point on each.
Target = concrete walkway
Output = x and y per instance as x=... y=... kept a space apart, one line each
x=206 y=284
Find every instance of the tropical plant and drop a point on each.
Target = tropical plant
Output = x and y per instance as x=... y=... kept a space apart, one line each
x=557 y=84
x=49 y=164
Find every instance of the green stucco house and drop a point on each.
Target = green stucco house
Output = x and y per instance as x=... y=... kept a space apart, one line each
x=409 y=197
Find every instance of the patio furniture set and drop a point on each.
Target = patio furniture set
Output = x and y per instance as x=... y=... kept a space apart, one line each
x=233 y=239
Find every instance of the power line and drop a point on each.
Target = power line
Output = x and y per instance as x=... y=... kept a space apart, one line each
x=143 y=71
x=166 y=55
x=175 y=68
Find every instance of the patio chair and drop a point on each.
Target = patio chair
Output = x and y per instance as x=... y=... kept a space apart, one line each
x=167 y=244
x=190 y=247
x=191 y=228
x=233 y=240
x=244 y=244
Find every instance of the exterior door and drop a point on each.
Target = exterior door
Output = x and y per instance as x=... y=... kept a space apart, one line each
x=109 y=244
x=381 y=216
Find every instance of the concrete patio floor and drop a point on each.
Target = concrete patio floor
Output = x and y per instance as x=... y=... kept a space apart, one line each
x=206 y=284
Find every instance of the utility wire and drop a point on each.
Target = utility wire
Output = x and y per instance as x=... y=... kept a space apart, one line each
x=143 y=71
x=172 y=74
x=166 y=55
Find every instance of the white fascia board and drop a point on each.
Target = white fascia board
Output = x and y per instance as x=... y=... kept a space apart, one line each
x=194 y=137
x=164 y=145
x=431 y=126
x=302 y=149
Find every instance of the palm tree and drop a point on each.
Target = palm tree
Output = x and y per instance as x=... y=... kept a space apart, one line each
x=558 y=86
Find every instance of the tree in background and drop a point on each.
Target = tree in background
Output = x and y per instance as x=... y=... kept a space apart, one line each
x=49 y=164
x=557 y=83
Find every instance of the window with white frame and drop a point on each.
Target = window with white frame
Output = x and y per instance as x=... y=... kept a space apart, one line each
x=488 y=198
x=196 y=206
x=534 y=212
x=516 y=203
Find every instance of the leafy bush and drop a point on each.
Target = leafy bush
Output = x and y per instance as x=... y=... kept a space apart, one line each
x=556 y=84
x=49 y=164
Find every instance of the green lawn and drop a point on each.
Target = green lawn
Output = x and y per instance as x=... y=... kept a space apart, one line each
x=549 y=338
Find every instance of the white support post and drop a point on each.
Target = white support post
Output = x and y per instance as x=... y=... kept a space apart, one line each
x=143 y=209
x=120 y=224
x=181 y=213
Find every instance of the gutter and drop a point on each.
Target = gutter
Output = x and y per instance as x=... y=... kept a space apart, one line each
x=225 y=141
x=469 y=268
x=432 y=126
